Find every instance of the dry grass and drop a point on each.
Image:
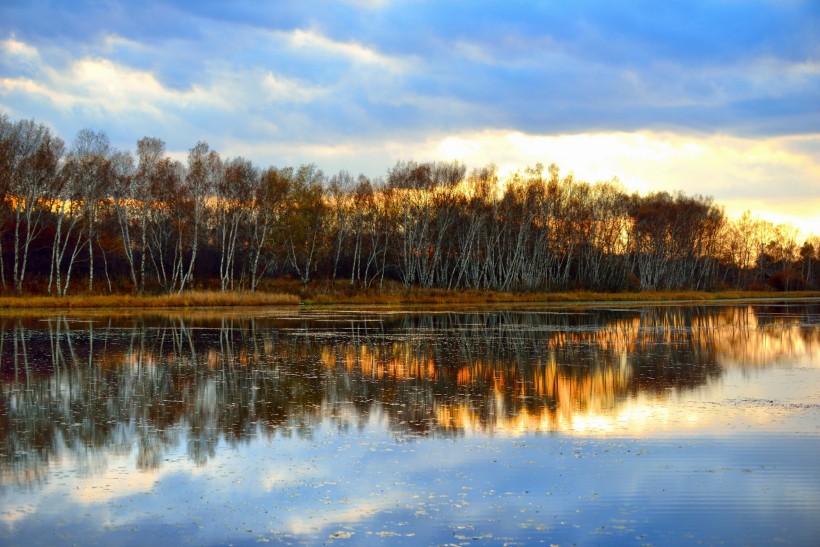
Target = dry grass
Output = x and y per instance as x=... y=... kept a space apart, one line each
x=412 y=296
x=194 y=299
x=393 y=294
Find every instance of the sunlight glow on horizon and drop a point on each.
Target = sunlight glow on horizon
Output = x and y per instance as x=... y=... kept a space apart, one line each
x=777 y=182
x=711 y=165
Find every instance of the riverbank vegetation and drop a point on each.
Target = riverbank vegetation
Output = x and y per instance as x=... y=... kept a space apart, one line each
x=85 y=219
x=287 y=293
x=187 y=299
x=428 y=297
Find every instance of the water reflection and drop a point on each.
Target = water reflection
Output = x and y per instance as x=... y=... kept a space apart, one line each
x=91 y=388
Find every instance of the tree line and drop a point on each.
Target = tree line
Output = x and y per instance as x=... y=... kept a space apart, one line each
x=90 y=217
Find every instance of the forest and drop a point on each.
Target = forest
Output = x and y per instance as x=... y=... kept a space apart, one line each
x=86 y=217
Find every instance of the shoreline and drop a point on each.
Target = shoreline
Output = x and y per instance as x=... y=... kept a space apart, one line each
x=437 y=297
x=409 y=298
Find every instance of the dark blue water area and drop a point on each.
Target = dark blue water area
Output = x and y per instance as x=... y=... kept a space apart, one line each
x=368 y=488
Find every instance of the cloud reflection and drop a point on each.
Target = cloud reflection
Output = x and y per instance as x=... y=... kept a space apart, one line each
x=99 y=389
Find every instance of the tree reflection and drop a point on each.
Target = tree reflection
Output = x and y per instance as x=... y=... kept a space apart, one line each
x=86 y=388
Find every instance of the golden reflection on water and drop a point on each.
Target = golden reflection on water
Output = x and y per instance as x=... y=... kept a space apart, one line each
x=605 y=399
x=82 y=387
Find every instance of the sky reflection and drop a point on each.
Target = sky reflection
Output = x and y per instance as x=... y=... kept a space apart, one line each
x=423 y=428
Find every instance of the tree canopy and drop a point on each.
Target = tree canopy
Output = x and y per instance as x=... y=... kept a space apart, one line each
x=146 y=222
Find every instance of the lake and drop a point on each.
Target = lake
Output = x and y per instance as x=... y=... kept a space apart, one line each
x=586 y=425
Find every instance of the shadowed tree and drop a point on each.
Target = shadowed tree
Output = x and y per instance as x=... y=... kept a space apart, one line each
x=150 y=152
x=127 y=208
x=7 y=161
x=306 y=222
x=266 y=217
x=202 y=178
x=88 y=170
x=233 y=196
x=33 y=157
x=340 y=195
x=68 y=216
x=168 y=223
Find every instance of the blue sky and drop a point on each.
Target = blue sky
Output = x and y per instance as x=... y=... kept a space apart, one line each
x=713 y=97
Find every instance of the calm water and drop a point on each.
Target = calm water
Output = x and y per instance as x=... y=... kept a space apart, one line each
x=634 y=426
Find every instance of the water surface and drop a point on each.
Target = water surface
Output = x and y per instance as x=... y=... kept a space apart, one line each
x=647 y=425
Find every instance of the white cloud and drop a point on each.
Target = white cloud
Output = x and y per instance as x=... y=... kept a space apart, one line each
x=313 y=41
x=767 y=76
x=281 y=89
x=14 y=48
x=102 y=85
x=99 y=85
x=111 y=43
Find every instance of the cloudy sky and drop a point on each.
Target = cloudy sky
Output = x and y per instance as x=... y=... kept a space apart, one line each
x=718 y=97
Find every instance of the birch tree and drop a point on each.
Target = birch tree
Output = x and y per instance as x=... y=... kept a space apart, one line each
x=8 y=159
x=69 y=215
x=34 y=155
x=204 y=173
x=266 y=218
x=150 y=152
x=306 y=222
x=127 y=209
x=89 y=168
x=168 y=224
x=343 y=211
x=233 y=195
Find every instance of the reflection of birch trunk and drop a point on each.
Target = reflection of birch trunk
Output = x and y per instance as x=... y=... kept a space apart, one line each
x=55 y=337
x=190 y=339
x=15 y=356
x=226 y=344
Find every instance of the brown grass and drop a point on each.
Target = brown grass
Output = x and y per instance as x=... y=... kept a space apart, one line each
x=411 y=296
x=393 y=294
x=184 y=300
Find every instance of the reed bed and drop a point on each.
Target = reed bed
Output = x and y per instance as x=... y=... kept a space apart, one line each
x=195 y=299
x=440 y=296
x=394 y=296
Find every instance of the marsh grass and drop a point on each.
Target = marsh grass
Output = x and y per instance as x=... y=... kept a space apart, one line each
x=413 y=296
x=393 y=294
x=195 y=299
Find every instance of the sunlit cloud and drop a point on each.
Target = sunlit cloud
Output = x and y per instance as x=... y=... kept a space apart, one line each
x=101 y=88
x=281 y=89
x=778 y=176
x=110 y=44
x=320 y=44
x=101 y=85
x=11 y=47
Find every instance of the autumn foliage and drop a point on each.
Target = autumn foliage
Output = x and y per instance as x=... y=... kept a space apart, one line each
x=91 y=219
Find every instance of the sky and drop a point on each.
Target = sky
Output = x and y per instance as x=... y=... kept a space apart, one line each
x=718 y=98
